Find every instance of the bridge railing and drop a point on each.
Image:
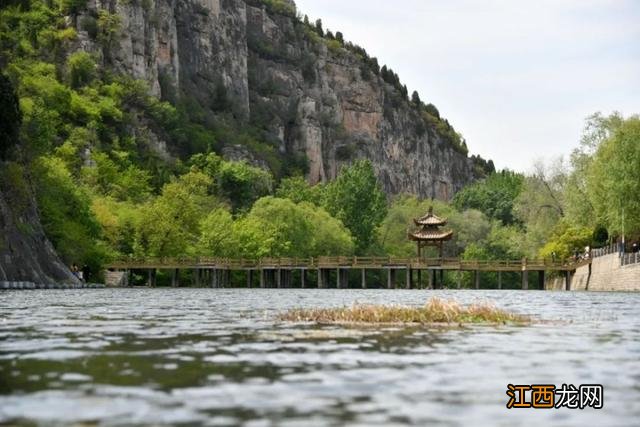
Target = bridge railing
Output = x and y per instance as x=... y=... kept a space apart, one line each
x=347 y=262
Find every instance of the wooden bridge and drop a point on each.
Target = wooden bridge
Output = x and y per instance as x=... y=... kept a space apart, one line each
x=278 y=272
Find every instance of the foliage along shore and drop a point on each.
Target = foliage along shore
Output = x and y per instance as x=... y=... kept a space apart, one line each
x=435 y=311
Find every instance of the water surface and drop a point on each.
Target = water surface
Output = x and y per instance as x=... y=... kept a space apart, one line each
x=219 y=357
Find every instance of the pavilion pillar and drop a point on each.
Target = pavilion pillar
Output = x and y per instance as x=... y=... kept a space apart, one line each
x=174 y=278
x=363 y=278
x=499 y=279
x=477 y=279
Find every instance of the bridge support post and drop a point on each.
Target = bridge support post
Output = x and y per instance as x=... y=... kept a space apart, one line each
x=389 y=280
x=213 y=279
x=407 y=278
x=419 y=278
x=339 y=278
x=363 y=278
x=541 y=279
x=477 y=279
x=151 y=279
x=320 y=281
x=459 y=279
x=525 y=280
x=279 y=278
x=499 y=279
x=431 y=284
x=174 y=278
x=303 y=278
x=249 y=279
x=567 y=280
x=262 y=279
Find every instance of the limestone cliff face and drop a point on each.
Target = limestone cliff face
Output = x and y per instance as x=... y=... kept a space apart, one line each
x=312 y=98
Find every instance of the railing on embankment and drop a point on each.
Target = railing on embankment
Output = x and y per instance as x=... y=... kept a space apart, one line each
x=344 y=263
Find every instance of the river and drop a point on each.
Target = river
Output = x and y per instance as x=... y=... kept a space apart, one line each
x=219 y=357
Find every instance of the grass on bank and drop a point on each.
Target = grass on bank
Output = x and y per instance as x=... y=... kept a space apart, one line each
x=436 y=311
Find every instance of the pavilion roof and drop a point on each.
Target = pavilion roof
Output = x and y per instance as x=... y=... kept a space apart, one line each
x=430 y=219
x=427 y=234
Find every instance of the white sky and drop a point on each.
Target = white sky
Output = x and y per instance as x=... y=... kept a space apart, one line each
x=516 y=78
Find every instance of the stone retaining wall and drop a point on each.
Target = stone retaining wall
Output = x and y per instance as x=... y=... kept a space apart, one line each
x=605 y=274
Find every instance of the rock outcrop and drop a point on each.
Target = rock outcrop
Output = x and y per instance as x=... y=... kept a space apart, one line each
x=26 y=255
x=258 y=62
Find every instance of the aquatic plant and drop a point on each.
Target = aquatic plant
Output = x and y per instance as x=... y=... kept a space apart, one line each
x=436 y=311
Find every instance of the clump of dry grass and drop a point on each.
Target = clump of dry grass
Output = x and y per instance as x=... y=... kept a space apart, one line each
x=436 y=311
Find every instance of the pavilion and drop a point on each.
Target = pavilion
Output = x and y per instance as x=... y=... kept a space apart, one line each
x=429 y=232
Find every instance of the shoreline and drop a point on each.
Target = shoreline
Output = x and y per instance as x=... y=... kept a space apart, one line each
x=27 y=286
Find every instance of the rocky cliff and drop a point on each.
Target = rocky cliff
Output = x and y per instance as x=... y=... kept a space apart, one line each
x=25 y=252
x=314 y=96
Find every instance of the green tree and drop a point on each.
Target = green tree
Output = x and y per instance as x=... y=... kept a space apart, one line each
x=170 y=225
x=217 y=234
x=281 y=228
x=82 y=69
x=598 y=128
x=356 y=199
x=298 y=190
x=614 y=179
x=494 y=196
x=243 y=184
x=566 y=240
x=66 y=214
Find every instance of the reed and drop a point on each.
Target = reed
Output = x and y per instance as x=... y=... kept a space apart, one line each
x=436 y=311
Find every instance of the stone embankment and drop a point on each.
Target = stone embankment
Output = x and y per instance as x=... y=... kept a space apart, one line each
x=606 y=273
x=33 y=286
